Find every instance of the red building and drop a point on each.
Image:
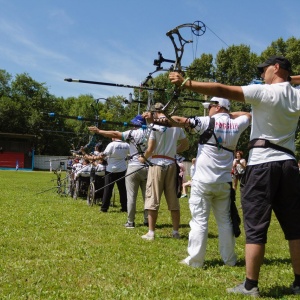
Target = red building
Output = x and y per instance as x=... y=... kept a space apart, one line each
x=16 y=150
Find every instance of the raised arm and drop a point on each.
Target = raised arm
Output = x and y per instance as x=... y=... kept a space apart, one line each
x=149 y=151
x=106 y=133
x=295 y=79
x=236 y=114
x=183 y=145
x=209 y=88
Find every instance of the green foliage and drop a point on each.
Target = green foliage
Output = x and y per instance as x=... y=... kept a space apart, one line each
x=297 y=142
x=289 y=48
x=54 y=247
x=202 y=68
x=24 y=102
x=236 y=65
x=5 y=81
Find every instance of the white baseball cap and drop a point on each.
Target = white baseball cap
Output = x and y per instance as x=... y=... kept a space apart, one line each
x=221 y=101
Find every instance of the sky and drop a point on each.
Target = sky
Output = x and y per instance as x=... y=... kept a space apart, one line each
x=116 y=41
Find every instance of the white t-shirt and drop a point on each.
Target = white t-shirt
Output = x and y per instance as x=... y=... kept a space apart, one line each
x=166 y=143
x=100 y=169
x=116 y=153
x=76 y=167
x=83 y=171
x=134 y=137
x=214 y=165
x=275 y=114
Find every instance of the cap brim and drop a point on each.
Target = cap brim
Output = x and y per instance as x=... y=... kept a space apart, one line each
x=261 y=67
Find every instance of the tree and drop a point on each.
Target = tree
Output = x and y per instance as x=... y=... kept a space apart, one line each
x=202 y=68
x=5 y=82
x=236 y=65
x=289 y=49
x=25 y=103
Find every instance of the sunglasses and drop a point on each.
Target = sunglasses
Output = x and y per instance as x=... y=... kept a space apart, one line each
x=212 y=105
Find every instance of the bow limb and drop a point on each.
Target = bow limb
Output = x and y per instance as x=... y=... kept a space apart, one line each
x=198 y=28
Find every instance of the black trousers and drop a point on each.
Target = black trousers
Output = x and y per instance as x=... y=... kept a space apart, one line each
x=108 y=190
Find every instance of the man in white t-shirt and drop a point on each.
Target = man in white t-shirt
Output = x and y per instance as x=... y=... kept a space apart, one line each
x=163 y=145
x=271 y=181
x=211 y=186
x=115 y=153
x=136 y=175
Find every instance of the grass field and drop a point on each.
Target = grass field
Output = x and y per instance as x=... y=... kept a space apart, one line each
x=54 y=247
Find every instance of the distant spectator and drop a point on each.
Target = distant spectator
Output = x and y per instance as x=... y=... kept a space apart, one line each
x=188 y=183
x=238 y=168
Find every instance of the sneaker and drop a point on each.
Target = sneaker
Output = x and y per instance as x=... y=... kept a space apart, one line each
x=295 y=289
x=176 y=235
x=240 y=289
x=148 y=237
x=130 y=225
x=193 y=265
x=183 y=262
x=183 y=196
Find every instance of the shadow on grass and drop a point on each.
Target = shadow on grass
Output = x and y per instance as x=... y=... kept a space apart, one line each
x=241 y=262
x=277 y=292
x=212 y=263
x=277 y=261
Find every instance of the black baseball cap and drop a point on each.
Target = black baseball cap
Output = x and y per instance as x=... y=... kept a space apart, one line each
x=275 y=59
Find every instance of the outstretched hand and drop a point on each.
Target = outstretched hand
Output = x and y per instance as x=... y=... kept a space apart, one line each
x=176 y=78
x=93 y=129
x=148 y=117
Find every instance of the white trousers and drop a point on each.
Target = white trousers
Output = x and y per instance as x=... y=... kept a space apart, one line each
x=205 y=197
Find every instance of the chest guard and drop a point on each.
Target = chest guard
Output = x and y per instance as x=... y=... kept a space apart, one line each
x=208 y=133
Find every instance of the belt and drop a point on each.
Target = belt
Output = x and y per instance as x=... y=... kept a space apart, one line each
x=163 y=156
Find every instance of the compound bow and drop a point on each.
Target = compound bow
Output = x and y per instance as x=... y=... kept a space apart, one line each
x=198 y=28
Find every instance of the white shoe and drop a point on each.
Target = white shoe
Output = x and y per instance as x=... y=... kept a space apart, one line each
x=193 y=265
x=183 y=196
x=148 y=237
x=183 y=262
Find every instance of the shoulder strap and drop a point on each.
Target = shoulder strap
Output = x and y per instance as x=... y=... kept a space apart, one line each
x=129 y=138
x=208 y=133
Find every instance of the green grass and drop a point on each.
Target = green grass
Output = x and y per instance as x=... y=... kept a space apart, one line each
x=54 y=247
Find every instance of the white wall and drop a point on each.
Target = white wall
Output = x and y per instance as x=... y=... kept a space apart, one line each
x=42 y=162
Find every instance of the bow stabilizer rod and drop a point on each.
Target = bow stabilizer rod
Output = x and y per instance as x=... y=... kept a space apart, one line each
x=114 y=84
x=80 y=118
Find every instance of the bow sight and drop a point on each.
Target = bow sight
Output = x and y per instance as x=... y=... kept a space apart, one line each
x=160 y=60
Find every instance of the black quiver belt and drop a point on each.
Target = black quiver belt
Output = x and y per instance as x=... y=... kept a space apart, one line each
x=262 y=143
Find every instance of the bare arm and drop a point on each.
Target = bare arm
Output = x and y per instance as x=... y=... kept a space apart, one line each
x=295 y=79
x=109 y=134
x=178 y=121
x=237 y=114
x=209 y=88
x=244 y=163
x=149 y=151
x=183 y=145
